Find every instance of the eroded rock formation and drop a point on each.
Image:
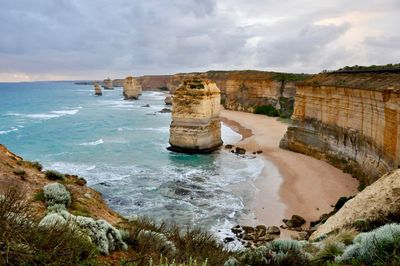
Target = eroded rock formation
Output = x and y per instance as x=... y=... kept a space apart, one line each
x=108 y=84
x=195 y=126
x=132 y=88
x=97 y=90
x=350 y=120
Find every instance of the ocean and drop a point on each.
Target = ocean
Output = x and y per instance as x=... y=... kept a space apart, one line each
x=119 y=147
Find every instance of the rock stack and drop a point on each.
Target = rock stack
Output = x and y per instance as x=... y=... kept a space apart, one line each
x=97 y=90
x=132 y=88
x=195 y=126
x=108 y=84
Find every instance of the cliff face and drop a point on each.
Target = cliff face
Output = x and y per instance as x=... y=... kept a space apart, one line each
x=195 y=126
x=246 y=90
x=351 y=120
x=132 y=88
x=148 y=82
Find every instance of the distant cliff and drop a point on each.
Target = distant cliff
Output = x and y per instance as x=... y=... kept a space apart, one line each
x=349 y=119
x=251 y=91
x=148 y=82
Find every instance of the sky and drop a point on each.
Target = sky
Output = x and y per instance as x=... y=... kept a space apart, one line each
x=95 y=39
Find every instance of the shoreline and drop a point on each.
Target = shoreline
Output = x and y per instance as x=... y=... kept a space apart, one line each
x=290 y=183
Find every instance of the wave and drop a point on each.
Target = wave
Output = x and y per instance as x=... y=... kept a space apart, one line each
x=49 y=115
x=4 y=132
x=93 y=143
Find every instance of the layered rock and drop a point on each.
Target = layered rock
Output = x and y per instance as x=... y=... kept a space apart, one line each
x=376 y=204
x=97 y=90
x=148 y=82
x=195 y=126
x=350 y=120
x=108 y=84
x=247 y=90
x=132 y=88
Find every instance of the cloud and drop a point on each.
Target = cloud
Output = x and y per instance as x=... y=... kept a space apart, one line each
x=98 y=38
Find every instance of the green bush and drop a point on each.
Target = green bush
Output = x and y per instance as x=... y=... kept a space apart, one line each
x=378 y=247
x=328 y=253
x=39 y=196
x=56 y=193
x=23 y=242
x=54 y=175
x=19 y=172
x=36 y=165
x=268 y=110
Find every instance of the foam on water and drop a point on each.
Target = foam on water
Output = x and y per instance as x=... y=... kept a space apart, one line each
x=92 y=143
x=45 y=116
x=13 y=129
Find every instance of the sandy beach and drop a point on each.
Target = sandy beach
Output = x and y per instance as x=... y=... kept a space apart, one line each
x=290 y=183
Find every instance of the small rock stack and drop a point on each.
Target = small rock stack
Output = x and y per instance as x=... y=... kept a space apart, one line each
x=196 y=125
x=97 y=90
x=108 y=84
x=132 y=88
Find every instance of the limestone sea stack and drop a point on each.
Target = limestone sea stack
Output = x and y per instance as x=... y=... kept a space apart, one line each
x=97 y=90
x=132 y=88
x=196 y=125
x=108 y=84
x=168 y=100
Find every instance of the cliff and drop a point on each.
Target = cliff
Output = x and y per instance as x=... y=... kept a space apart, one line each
x=132 y=88
x=349 y=119
x=148 y=82
x=16 y=171
x=248 y=90
x=377 y=204
x=195 y=126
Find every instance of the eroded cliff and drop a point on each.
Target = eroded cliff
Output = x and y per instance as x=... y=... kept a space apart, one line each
x=195 y=126
x=349 y=119
x=248 y=90
x=132 y=88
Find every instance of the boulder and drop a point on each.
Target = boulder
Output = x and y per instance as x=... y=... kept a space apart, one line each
x=168 y=100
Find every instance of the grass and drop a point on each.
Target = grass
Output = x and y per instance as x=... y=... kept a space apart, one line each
x=36 y=165
x=54 y=175
x=39 y=196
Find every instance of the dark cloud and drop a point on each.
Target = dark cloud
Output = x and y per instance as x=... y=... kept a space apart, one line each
x=97 y=38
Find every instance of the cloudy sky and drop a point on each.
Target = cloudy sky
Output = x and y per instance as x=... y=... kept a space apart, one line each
x=91 y=39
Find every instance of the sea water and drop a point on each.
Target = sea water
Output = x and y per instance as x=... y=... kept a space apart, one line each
x=119 y=147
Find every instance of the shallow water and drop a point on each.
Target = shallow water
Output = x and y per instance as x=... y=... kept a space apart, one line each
x=119 y=147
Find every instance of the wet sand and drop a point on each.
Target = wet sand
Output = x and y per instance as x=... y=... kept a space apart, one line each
x=290 y=183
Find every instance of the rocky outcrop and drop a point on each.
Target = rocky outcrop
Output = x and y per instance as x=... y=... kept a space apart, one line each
x=350 y=120
x=148 y=82
x=378 y=203
x=97 y=90
x=132 y=88
x=108 y=84
x=248 y=90
x=168 y=100
x=195 y=126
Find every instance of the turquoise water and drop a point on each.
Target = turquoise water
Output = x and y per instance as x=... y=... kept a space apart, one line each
x=119 y=147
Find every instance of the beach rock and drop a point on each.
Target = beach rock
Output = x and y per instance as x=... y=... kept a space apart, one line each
x=228 y=239
x=168 y=100
x=97 y=90
x=228 y=146
x=248 y=229
x=259 y=151
x=239 y=150
x=132 y=88
x=273 y=230
x=295 y=221
x=300 y=236
x=108 y=84
x=146 y=105
x=165 y=110
x=196 y=125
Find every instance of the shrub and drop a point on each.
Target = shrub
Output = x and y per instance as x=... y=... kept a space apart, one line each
x=378 y=247
x=56 y=193
x=189 y=243
x=19 y=172
x=328 y=253
x=36 y=165
x=54 y=175
x=39 y=196
x=23 y=242
x=268 y=110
